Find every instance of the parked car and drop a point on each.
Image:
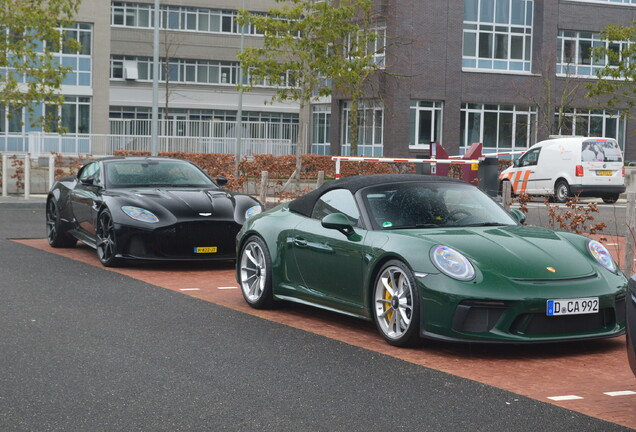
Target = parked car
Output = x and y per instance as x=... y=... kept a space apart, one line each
x=147 y=208
x=631 y=323
x=565 y=167
x=430 y=257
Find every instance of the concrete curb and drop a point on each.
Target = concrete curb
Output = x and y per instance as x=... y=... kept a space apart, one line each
x=18 y=201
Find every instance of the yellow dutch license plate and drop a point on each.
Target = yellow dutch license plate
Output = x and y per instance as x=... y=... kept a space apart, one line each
x=203 y=250
x=604 y=173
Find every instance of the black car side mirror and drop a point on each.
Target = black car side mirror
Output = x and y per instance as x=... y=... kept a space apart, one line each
x=339 y=222
x=515 y=163
x=87 y=181
x=221 y=180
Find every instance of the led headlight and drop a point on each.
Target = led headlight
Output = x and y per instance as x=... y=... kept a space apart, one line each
x=140 y=214
x=452 y=263
x=602 y=255
x=252 y=211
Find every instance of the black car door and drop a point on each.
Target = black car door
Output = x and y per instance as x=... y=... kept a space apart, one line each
x=86 y=198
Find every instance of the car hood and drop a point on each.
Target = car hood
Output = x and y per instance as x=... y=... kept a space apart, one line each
x=518 y=252
x=181 y=202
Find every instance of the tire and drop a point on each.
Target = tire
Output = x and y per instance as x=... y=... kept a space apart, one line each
x=561 y=191
x=610 y=199
x=255 y=274
x=56 y=235
x=396 y=305
x=105 y=243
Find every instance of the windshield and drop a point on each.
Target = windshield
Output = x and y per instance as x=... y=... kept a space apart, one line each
x=432 y=205
x=154 y=173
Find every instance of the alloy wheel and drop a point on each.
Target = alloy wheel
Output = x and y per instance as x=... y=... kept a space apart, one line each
x=393 y=303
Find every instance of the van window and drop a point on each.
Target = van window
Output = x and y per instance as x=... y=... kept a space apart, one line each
x=530 y=158
x=600 y=151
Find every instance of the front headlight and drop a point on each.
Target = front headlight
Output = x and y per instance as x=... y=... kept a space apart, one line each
x=602 y=255
x=142 y=215
x=252 y=211
x=452 y=263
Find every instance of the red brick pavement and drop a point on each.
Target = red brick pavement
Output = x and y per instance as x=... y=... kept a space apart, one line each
x=585 y=369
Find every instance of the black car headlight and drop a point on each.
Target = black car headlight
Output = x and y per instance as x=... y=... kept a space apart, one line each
x=139 y=214
x=601 y=255
x=452 y=263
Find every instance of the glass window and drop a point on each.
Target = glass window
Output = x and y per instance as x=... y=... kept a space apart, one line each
x=593 y=123
x=497 y=34
x=574 y=53
x=425 y=124
x=336 y=201
x=530 y=158
x=321 y=125
x=495 y=126
x=370 y=129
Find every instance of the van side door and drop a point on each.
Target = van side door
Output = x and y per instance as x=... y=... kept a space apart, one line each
x=522 y=177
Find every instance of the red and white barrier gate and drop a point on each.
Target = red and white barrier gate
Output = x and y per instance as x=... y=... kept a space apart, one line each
x=392 y=160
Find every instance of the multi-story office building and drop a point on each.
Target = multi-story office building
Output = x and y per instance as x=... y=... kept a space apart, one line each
x=489 y=71
x=455 y=72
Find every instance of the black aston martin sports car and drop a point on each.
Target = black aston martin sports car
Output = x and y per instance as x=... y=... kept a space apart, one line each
x=149 y=208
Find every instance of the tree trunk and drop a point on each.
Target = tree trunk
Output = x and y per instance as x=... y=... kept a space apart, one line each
x=354 y=124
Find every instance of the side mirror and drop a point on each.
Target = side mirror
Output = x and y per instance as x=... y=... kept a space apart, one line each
x=518 y=215
x=221 y=180
x=88 y=181
x=339 y=222
x=515 y=163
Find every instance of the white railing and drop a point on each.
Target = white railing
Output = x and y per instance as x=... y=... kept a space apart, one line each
x=182 y=127
x=40 y=144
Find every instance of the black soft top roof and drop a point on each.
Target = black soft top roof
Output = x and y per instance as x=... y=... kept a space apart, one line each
x=305 y=204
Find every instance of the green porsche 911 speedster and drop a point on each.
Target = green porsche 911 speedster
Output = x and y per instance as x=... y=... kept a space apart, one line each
x=430 y=257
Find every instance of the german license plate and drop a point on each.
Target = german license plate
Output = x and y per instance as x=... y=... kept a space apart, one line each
x=604 y=173
x=206 y=249
x=572 y=306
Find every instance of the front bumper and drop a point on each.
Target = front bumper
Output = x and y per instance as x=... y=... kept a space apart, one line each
x=518 y=313
x=178 y=241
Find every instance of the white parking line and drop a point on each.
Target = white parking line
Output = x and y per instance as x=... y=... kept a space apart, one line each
x=621 y=393
x=565 y=398
x=189 y=289
x=227 y=288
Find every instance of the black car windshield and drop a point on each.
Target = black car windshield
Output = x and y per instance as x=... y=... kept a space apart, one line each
x=154 y=173
x=432 y=205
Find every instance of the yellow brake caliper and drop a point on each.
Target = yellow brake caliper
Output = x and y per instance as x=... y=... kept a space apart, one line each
x=389 y=297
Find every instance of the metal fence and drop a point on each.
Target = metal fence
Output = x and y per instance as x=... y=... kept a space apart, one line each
x=175 y=135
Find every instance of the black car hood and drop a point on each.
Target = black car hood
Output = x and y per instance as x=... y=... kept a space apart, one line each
x=181 y=202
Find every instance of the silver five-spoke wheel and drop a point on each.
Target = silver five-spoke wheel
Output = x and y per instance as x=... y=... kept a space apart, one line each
x=396 y=305
x=255 y=273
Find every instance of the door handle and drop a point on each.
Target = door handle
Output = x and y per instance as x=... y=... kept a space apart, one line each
x=300 y=242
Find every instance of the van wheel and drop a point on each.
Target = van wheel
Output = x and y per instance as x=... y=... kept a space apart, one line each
x=561 y=191
x=610 y=199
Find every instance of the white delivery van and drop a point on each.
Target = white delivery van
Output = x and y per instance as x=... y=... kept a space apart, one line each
x=565 y=167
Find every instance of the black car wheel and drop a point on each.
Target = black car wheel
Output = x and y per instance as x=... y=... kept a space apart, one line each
x=105 y=244
x=57 y=236
x=561 y=191
x=396 y=305
x=610 y=199
x=255 y=274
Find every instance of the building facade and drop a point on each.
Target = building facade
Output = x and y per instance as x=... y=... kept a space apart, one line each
x=505 y=73
x=490 y=71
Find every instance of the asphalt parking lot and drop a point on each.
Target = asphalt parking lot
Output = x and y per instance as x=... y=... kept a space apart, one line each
x=138 y=345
